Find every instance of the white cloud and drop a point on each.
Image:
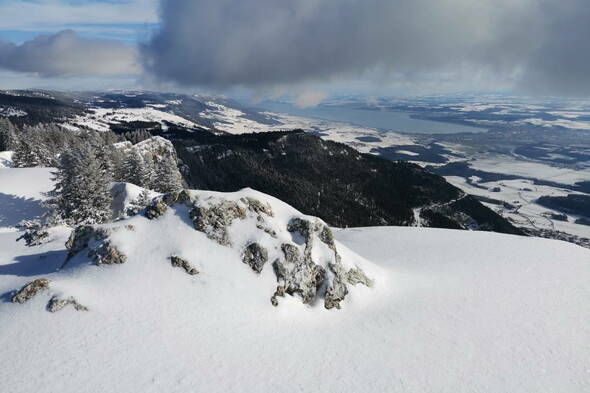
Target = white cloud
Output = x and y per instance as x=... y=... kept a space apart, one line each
x=67 y=54
x=309 y=98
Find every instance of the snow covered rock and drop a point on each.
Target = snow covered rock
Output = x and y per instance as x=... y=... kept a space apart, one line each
x=95 y=239
x=127 y=199
x=58 y=303
x=158 y=159
x=305 y=258
x=156 y=148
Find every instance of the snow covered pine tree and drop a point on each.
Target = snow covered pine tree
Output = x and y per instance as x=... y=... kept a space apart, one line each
x=82 y=187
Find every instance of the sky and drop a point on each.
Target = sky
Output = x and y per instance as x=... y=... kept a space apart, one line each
x=309 y=48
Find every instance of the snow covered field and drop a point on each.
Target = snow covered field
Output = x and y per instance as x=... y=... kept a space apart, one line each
x=451 y=311
x=511 y=166
x=522 y=195
x=100 y=119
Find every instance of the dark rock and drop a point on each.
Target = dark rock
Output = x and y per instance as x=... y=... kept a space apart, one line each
x=255 y=256
x=180 y=262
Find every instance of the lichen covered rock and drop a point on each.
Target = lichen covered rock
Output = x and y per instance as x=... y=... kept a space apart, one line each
x=107 y=254
x=30 y=290
x=214 y=220
x=356 y=276
x=304 y=275
x=254 y=205
x=336 y=290
x=298 y=275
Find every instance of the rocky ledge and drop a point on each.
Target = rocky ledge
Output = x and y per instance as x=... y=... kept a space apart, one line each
x=300 y=250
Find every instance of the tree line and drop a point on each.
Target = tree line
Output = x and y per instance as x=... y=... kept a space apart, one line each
x=86 y=163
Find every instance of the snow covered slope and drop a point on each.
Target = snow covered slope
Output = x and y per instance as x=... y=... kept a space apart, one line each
x=450 y=311
x=101 y=119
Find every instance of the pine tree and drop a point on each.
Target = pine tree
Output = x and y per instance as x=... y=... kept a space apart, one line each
x=8 y=138
x=32 y=151
x=168 y=178
x=136 y=170
x=24 y=155
x=82 y=188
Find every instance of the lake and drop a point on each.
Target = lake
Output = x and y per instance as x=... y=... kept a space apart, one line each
x=384 y=120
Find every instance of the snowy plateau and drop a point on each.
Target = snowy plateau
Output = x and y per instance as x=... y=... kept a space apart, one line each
x=442 y=311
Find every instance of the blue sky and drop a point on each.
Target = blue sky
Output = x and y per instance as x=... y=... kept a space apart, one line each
x=128 y=21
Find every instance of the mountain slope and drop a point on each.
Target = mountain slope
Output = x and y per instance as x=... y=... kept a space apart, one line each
x=450 y=311
x=331 y=180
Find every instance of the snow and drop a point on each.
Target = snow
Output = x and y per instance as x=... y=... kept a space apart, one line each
x=576 y=125
x=407 y=152
x=510 y=166
x=231 y=120
x=11 y=112
x=451 y=311
x=523 y=195
x=6 y=159
x=100 y=119
x=123 y=196
x=21 y=193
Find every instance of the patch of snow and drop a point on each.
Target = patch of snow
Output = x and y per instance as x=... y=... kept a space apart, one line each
x=12 y=112
x=123 y=196
x=100 y=119
x=510 y=166
x=576 y=125
x=407 y=152
x=6 y=159
x=22 y=191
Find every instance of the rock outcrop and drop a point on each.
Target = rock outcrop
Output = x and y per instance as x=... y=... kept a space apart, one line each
x=30 y=290
x=177 y=261
x=301 y=250
x=255 y=256
x=96 y=240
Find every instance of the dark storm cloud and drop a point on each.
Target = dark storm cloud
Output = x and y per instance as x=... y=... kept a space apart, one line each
x=67 y=54
x=560 y=63
x=537 y=44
